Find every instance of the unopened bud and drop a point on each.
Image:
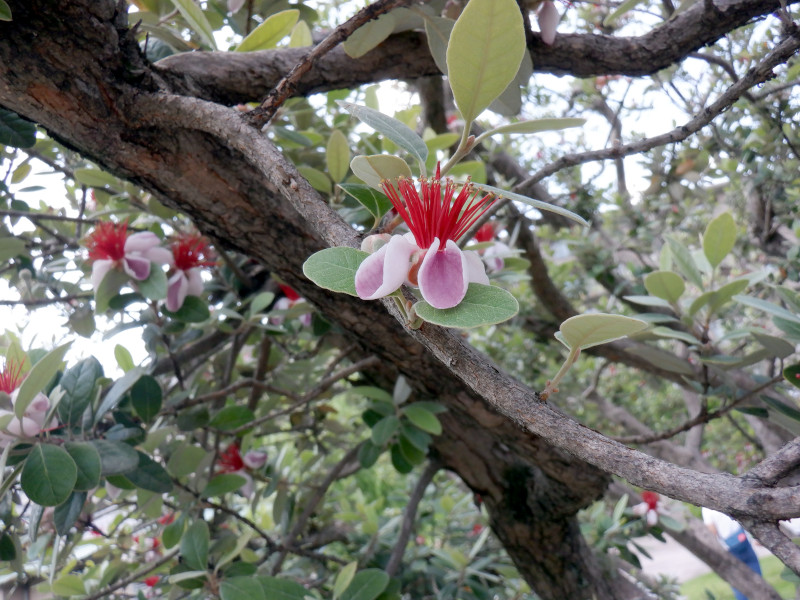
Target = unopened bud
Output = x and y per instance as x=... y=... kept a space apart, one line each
x=373 y=243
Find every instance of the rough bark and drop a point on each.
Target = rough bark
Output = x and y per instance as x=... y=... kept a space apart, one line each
x=77 y=71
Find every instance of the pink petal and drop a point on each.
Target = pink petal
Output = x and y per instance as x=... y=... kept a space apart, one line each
x=443 y=276
x=159 y=255
x=476 y=271
x=137 y=267
x=548 y=21
x=99 y=270
x=28 y=428
x=141 y=242
x=254 y=459
x=385 y=271
x=177 y=288
x=195 y=282
x=652 y=517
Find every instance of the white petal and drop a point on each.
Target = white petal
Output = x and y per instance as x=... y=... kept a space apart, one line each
x=195 y=282
x=548 y=21
x=159 y=255
x=141 y=242
x=476 y=271
x=99 y=270
x=385 y=271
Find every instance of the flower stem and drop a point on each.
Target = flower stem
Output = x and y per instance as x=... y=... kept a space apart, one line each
x=552 y=385
x=464 y=146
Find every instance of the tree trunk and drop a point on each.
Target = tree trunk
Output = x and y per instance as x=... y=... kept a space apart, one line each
x=77 y=71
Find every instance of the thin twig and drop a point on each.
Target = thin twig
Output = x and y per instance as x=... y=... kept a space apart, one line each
x=46 y=301
x=758 y=74
x=409 y=515
x=106 y=591
x=287 y=86
x=703 y=417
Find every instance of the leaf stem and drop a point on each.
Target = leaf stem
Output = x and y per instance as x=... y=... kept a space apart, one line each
x=552 y=385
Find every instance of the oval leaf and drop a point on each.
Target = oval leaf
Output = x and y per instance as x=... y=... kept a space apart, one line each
x=397 y=131
x=483 y=305
x=38 y=377
x=223 y=483
x=369 y=35
x=422 y=418
x=344 y=578
x=49 y=475
x=232 y=417
x=16 y=131
x=241 y=588
x=375 y=202
x=87 y=460
x=115 y=457
x=149 y=475
x=377 y=167
x=484 y=53
x=667 y=285
x=196 y=20
x=366 y=585
x=117 y=391
x=270 y=32
x=437 y=30
x=281 y=589
x=68 y=512
x=335 y=269
x=585 y=331
x=337 y=156
x=538 y=204
x=78 y=385
x=719 y=238
x=385 y=429
x=536 y=125
x=146 y=397
x=194 y=546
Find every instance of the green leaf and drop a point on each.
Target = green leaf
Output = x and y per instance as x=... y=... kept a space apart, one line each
x=185 y=460
x=376 y=168
x=422 y=418
x=281 y=589
x=194 y=546
x=790 y=328
x=117 y=391
x=536 y=126
x=196 y=20
x=5 y=11
x=483 y=305
x=647 y=301
x=384 y=429
x=149 y=475
x=484 y=53
x=232 y=417
x=368 y=454
x=173 y=532
x=367 y=584
x=585 y=331
x=260 y=302
x=344 y=578
x=337 y=156
x=49 y=475
x=792 y=375
x=109 y=287
x=8 y=549
x=766 y=306
x=437 y=30
x=678 y=335
x=67 y=513
x=416 y=436
x=410 y=452
x=124 y=358
x=155 y=286
x=369 y=35
x=537 y=204
x=782 y=407
x=300 y=36
x=399 y=461
x=623 y=8
x=270 y=32
x=78 y=384
x=335 y=269
x=778 y=347
x=223 y=484
x=194 y=310
x=375 y=202
x=241 y=588
x=683 y=259
x=95 y=178
x=719 y=238
x=16 y=131
x=68 y=585
x=665 y=284
x=318 y=180
x=38 y=377
x=146 y=397
x=87 y=460
x=116 y=458
x=397 y=131
x=11 y=247
x=724 y=294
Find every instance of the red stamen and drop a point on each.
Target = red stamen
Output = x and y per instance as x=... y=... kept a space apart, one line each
x=107 y=241
x=191 y=250
x=290 y=293
x=231 y=461
x=485 y=233
x=11 y=376
x=432 y=212
x=651 y=499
